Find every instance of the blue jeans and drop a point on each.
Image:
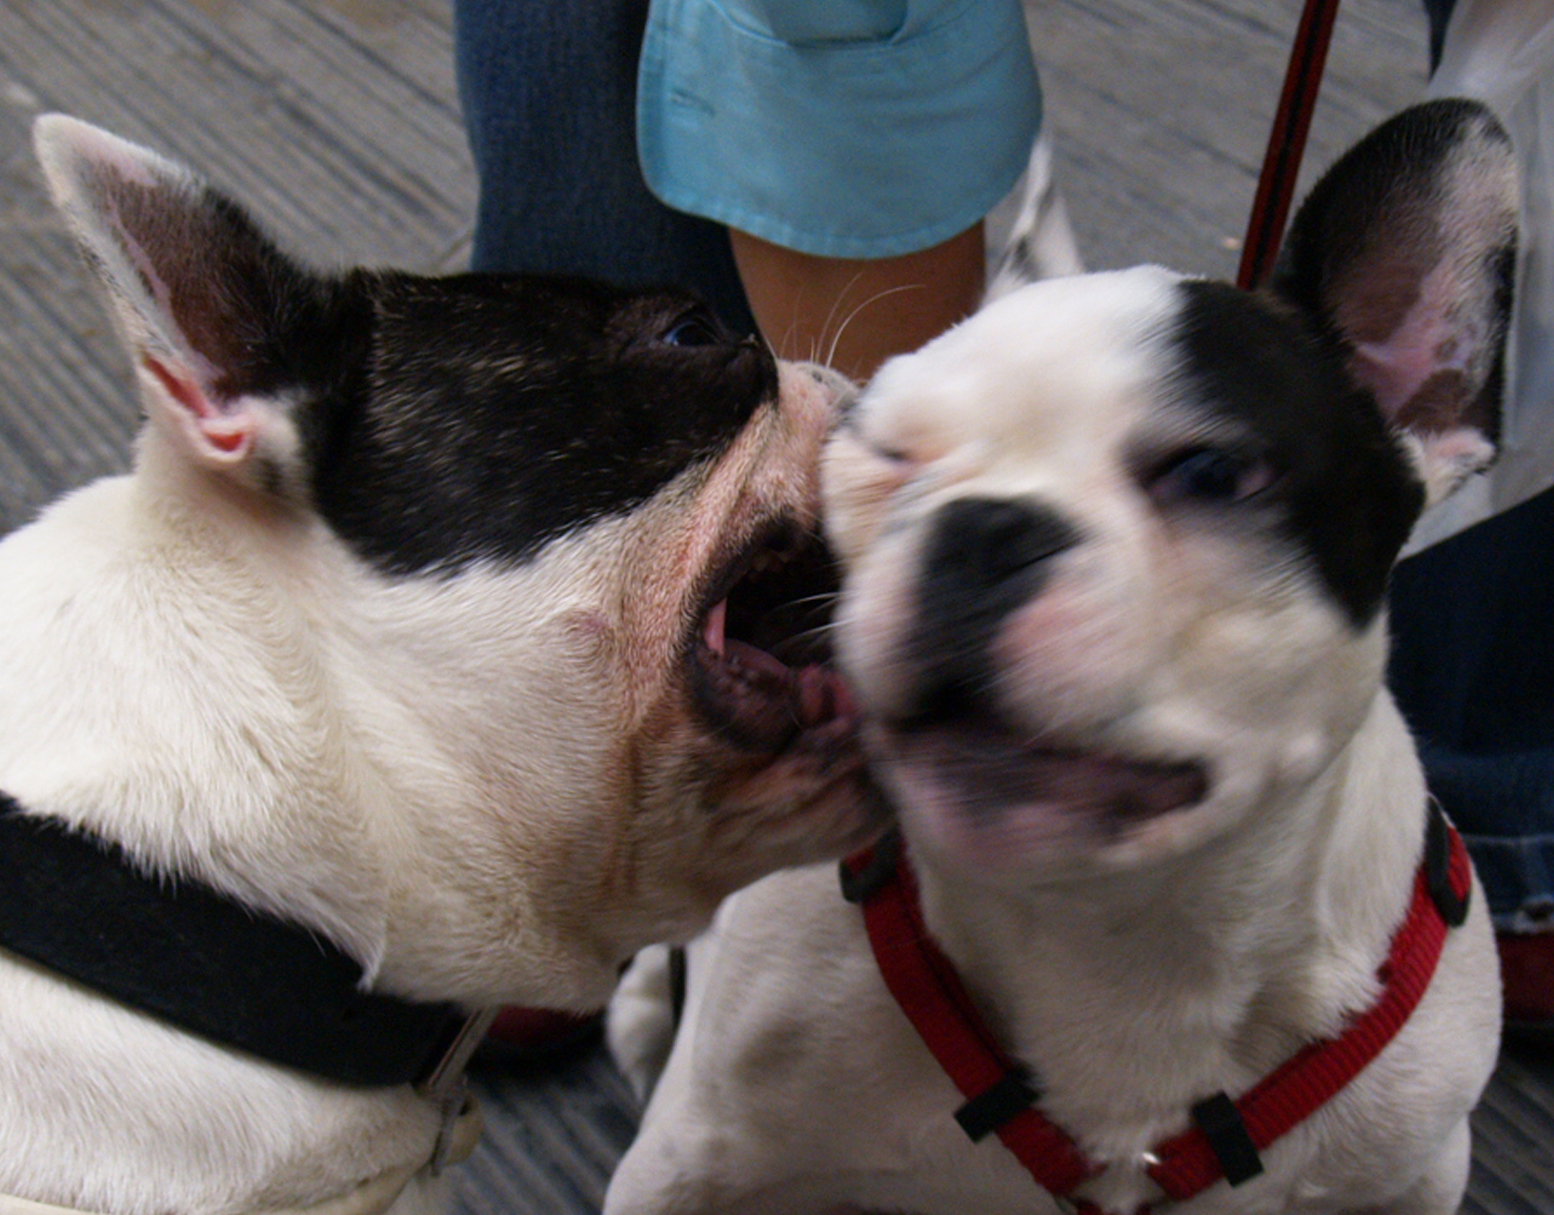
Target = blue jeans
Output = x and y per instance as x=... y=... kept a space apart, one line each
x=1473 y=670
x=549 y=90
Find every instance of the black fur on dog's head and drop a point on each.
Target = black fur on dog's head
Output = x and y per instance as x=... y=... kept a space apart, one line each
x=546 y=404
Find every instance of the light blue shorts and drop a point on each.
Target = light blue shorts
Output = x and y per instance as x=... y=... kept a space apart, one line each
x=842 y=128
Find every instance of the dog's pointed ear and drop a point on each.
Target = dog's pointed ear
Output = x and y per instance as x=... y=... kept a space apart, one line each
x=1404 y=253
x=201 y=297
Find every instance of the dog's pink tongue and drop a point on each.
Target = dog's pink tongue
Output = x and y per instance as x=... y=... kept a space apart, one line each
x=822 y=695
x=714 y=635
x=769 y=700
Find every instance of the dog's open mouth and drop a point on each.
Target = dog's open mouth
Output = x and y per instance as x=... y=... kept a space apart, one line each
x=759 y=656
x=987 y=771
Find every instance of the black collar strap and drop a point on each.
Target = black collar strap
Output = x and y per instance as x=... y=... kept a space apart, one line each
x=206 y=963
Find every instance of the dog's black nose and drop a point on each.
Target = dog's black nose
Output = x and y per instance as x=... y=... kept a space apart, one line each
x=983 y=558
x=987 y=555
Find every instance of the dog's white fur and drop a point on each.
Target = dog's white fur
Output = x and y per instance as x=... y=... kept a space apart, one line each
x=488 y=788
x=1134 y=971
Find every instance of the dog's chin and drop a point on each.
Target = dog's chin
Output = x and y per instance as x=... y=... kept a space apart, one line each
x=984 y=796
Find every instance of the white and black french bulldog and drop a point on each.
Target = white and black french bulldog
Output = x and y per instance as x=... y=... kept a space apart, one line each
x=1175 y=927
x=432 y=657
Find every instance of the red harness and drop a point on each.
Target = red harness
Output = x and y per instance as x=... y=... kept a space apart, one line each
x=1226 y=1137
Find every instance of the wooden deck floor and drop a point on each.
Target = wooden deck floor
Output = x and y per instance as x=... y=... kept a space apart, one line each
x=337 y=122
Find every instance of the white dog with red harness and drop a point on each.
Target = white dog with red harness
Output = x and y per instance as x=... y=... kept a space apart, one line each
x=1170 y=924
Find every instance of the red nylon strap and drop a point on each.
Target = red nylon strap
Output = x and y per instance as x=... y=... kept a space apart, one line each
x=930 y=993
x=1316 y=1074
x=1287 y=141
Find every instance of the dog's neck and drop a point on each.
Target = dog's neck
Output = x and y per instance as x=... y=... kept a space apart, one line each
x=384 y=741
x=302 y=772
x=1201 y=973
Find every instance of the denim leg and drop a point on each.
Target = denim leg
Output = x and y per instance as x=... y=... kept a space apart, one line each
x=1473 y=670
x=549 y=90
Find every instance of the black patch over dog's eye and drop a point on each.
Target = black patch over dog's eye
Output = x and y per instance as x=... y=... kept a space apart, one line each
x=493 y=413
x=1208 y=475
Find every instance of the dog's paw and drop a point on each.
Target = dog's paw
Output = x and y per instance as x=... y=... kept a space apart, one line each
x=640 y=1024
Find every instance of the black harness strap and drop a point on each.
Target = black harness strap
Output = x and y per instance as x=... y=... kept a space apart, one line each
x=203 y=961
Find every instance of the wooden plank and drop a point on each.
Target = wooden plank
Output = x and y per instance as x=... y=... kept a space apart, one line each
x=337 y=125
x=347 y=160
x=1513 y=1128
x=1160 y=112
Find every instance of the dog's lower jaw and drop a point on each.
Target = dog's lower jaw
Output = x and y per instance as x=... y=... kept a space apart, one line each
x=1051 y=799
x=992 y=800
x=813 y=802
x=840 y=809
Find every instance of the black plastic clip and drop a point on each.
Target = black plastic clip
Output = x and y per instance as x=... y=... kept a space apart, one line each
x=991 y=1108
x=862 y=884
x=1220 y=1121
x=1452 y=906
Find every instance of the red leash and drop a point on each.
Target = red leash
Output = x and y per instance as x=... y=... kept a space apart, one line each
x=1287 y=142
x=1226 y=1137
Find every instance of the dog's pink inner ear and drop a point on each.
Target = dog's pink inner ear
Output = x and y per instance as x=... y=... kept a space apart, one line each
x=220 y=437
x=1407 y=347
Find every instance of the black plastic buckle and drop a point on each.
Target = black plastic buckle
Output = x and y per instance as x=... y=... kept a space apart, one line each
x=990 y=1109
x=1452 y=906
x=862 y=884
x=1220 y=1121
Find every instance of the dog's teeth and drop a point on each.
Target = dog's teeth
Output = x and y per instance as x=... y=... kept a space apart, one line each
x=717 y=618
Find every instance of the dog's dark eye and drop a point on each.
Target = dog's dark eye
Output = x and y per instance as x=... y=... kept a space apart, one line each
x=1209 y=474
x=694 y=329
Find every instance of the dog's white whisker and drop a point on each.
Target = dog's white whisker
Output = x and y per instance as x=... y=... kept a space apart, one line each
x=831 y=312
x=872 y=300
x=826 y=597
